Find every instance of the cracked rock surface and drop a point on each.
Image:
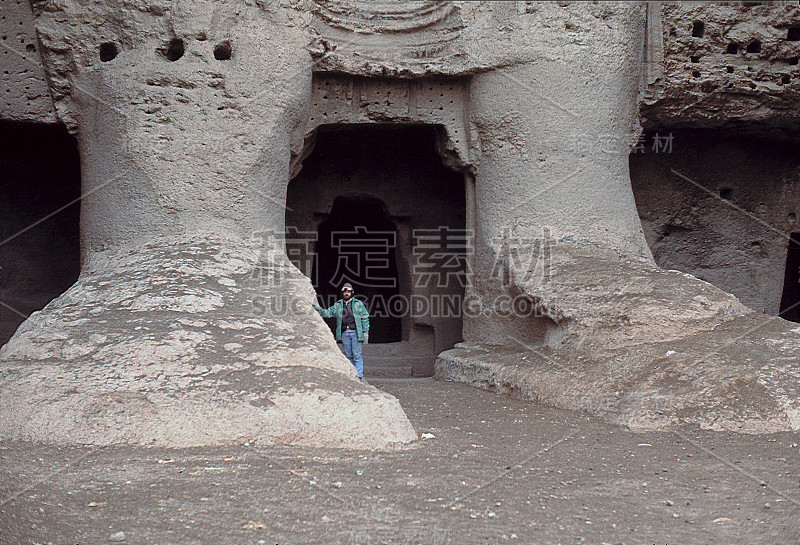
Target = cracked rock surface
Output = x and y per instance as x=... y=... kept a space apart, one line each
x=181 y=345
x=643 y=347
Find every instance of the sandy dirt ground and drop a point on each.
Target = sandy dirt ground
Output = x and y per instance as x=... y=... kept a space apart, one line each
x=496 y=471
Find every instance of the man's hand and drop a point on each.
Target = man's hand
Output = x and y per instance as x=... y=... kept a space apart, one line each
x=316 y=306
x=366 y=338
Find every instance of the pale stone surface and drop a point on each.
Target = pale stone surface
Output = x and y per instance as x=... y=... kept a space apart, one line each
x=137 y=354
x=24 y=93
x=184 y=167
x=642 y=347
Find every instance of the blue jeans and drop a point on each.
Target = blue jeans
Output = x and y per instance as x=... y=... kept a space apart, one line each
x=352 y=350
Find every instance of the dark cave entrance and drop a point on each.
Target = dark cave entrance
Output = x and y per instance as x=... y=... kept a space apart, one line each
x=790 y=299
x=39 y=219
x=375 y=206
x=357 y=243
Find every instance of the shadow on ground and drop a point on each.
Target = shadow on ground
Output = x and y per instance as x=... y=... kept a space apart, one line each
x=498 y=470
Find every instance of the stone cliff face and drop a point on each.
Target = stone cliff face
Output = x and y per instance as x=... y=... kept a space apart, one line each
x=732 y=66
x=723 y=207
x=25 y=93
x=720 y=201
x=188 y=325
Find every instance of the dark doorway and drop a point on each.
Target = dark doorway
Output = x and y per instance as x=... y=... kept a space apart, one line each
x=790 y=300
x=378 y=200
x=39 y=219
x=357 y=243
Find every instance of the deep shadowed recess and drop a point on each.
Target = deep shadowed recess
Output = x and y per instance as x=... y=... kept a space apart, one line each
x=39 y=174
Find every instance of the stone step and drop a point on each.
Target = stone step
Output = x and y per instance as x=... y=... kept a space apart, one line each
x=395 y=360
x=392 y=366
x=388 y=371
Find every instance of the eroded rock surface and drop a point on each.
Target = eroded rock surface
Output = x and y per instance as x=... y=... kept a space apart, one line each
x=25 y=92
x=731 y=66
x=187 y=326
x=184 y=344
x=642 y=347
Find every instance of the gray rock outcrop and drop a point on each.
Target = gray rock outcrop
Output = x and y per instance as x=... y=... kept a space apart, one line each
x=641 y=347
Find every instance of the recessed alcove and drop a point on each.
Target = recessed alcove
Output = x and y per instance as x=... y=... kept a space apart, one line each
x=174 y=49
x=357 y=242
x=375 y=206
x=108 y=51
x=223 y=51
x=790 y=298
x=704 y=204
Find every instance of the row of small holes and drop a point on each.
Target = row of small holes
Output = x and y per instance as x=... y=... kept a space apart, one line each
x=699 y=28
x=696 y=58
x=785 y=78
x=30 y=48
x=378 y=92
x=173 y=51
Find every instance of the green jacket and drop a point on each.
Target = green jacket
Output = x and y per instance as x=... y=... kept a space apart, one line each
x=359 y=313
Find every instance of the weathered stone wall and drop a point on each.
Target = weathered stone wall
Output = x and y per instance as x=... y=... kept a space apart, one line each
x=24 y=93
x=721 y=207
x=732 y=64
x=728 y=213
x=185 y=156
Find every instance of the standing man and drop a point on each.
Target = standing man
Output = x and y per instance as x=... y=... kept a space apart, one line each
x=352 y=326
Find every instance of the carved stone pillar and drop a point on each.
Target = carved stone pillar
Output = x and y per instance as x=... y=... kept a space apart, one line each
x=187 y=326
